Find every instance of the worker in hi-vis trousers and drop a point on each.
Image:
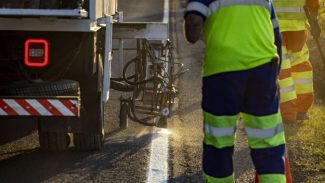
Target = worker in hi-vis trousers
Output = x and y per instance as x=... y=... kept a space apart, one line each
x=296 y=76
x=240 y=72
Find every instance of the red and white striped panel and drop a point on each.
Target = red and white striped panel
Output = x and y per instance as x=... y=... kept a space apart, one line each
x=39 y=107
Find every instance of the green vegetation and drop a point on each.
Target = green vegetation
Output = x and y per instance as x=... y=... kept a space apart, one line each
x=307 y=146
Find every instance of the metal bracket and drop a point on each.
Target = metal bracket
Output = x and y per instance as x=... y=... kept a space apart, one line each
x=107 y=59
x=48 y=24
x=75 y=13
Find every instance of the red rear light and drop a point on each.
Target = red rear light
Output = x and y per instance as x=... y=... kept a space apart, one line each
x=36 y=53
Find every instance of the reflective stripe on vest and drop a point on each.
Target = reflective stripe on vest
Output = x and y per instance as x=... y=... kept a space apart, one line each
x=219 y=132
x=265 y=133
x=199 y=7
x=290 y=9
x=218 y=4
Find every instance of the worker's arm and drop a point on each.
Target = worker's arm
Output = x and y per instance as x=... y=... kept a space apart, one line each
x=193 y=27
x=195 y=15
x=277 y=35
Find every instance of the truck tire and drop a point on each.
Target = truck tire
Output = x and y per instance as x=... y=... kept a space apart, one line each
x=53 y=141
x=89 y=135
x=92 y=141
x=57 y=88
x=88 y=141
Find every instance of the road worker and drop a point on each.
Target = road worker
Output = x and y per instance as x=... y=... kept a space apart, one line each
x=296 y=76
x=240 y=72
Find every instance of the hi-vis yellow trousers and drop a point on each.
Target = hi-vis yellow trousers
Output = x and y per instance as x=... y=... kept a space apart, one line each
x=296 y=76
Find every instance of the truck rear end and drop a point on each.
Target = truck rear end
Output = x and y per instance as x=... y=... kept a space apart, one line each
x=55 y=68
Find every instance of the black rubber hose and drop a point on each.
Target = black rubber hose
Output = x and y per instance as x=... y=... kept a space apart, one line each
x=119 y=86
x=132 y=115
x=126 y=78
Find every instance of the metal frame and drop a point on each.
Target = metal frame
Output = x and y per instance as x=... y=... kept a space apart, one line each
x=139 y=30
x=98 y=17
x=48 y=24
x=76 y=20
x=107 y=59
x=75 y=13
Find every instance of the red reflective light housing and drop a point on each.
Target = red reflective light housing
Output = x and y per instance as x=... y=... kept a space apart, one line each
x=36 y=53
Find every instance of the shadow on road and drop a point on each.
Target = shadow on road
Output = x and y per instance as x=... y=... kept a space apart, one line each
x=191 y=178
x=71 y=166
x=13 y=129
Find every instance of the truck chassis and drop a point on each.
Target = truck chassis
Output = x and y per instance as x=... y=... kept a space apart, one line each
x=67 y=95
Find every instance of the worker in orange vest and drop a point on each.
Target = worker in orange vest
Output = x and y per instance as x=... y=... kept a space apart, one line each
x=296 y=76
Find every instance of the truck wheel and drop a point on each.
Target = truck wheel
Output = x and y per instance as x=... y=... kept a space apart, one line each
x=88 y=141
x=57 y=88
x=92 y=141
x=53 y=141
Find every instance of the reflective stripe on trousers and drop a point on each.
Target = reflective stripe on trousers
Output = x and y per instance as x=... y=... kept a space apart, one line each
x=299 y=75
x=299 y=56
x=286 y=82
x=246 y=93
x=264 y=133
x=303 y=82
x=303 y=78
x=296 y=84
x=302 y=71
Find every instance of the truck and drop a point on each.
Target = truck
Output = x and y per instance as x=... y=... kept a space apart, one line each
x=56 y=67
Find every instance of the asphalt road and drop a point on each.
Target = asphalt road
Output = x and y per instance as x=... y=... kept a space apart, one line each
x=126 y=154
x=124 y=157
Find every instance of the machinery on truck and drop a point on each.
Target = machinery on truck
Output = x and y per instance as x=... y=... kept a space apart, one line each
x=56 y=65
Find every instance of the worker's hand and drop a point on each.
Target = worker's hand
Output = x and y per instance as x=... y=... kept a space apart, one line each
x=193 y=27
